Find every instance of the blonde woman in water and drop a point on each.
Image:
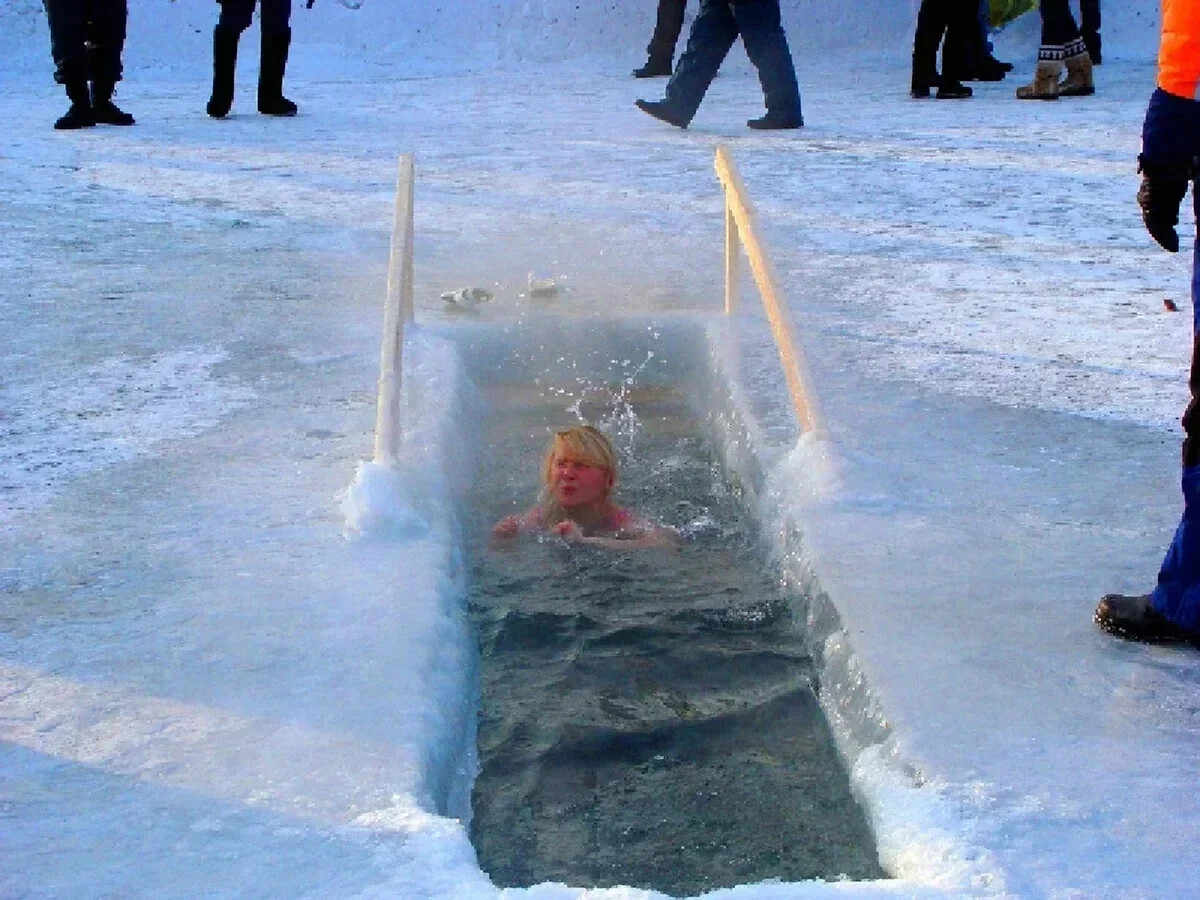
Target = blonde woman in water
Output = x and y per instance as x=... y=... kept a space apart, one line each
x=578 y=475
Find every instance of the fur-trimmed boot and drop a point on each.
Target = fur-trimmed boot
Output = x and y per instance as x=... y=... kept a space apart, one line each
x=80 y=114
x=225 y=45
x=271 y=101
x=1078 y=82
x=105 y=111
x=1045 y=79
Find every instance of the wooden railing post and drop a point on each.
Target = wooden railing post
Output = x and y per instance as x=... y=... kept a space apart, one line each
x=737 y=205
x=397 y=310
x=732 y=249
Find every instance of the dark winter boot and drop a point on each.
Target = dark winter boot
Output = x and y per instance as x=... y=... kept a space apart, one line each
x=271 y=101
x=225 y=45
x=924 y=76
x=950 y=89
x=80 y=114
x=105 y=111
x=771 y=122
x=655 y=67
x=1133 y=618
x=662 y=110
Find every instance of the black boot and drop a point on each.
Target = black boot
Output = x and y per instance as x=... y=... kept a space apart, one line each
x=663 y=111
x=105 y=111
x=655 y=67
x=225 y=44
x=771 y=122
x=952 y=90
x=271 y=101
x=80 y=114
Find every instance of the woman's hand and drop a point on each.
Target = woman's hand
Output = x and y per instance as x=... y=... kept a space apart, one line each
x=568 y=530
x=507 y=527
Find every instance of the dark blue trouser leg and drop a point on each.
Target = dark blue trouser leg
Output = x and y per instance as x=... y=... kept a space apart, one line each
x=1058 y=25
x=766 y=45
x=274 y=15
x=713 y=33
x=667 y=27
x=106 y=38
x=235 y=15
x=68 y=39
x=1089 y=16
x=76 y=24
x=1177 y=596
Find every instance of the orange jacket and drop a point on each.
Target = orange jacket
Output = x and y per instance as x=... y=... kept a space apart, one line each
x=1179 y=53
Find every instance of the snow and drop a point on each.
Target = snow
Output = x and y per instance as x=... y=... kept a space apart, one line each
x=234 y=658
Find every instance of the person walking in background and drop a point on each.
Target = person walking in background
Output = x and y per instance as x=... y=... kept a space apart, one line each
x=86 y=40
x=661 y=52
x=933 y=20
x=717 y=26
x=1170 y=158
x=1061 y=43
x=276 y=38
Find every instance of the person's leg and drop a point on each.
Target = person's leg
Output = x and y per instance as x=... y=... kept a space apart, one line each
x=1089 y=27
x=761 y=27
x=68 y=39
x=234 y=19
x=68 y=47
x=235 y=15
x=275 y=16
x=1058 y=24
x=667 y=27
x=1177 y=596
x=713 y=33
x=931 y=25
x=106 y=40
x=1058 y=28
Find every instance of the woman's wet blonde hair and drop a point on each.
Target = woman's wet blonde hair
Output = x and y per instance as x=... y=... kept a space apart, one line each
x=582 y=444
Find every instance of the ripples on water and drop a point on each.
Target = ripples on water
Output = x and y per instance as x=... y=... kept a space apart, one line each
x=648 y=718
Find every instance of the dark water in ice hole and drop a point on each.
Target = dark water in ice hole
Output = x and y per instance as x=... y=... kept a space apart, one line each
x=646 y=718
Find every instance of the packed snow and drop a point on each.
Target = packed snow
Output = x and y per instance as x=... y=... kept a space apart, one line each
x=234 y=657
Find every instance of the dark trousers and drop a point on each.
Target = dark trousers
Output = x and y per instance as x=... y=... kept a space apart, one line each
x=274 y=15
x=958 y=21
x=1058 y=25
x=717 y=26
x=86 y=39
x=1089 y=16
x=667 y=27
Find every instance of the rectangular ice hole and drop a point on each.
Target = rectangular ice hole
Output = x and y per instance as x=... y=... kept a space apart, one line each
x=647 y=718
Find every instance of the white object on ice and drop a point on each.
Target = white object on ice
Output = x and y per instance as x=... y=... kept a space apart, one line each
x=468 y=297
x=542 y=286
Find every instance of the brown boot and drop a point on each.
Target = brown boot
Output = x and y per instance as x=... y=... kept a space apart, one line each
x=1045 y=81
x=1078 y=82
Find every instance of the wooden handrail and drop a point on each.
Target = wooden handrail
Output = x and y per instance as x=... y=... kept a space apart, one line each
x=741 y=220
x=397 y=310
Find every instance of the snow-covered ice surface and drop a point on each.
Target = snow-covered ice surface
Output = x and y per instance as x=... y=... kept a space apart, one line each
x=212 y=684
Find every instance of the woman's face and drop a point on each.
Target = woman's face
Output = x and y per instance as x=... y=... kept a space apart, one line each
x=576 y=484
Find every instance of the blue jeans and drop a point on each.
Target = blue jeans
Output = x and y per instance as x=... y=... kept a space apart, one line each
x=274 y=15
x=1177 y=596
x=717 y=26
x=86 y=39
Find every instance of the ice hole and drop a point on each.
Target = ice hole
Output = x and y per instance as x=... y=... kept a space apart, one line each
x=646 y=718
